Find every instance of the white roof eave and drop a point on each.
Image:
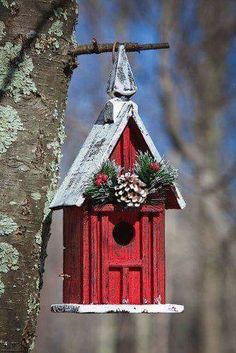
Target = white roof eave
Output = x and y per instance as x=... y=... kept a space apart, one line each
x=98 y=148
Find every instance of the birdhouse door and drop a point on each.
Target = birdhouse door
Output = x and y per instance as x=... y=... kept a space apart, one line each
x=125 y=265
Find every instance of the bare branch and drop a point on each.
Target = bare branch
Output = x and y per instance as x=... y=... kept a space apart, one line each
x=172 y=116
x=96 y=48
x=223 y=180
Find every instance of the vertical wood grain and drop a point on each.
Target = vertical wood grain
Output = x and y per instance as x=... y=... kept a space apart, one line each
x=130 y=142
x=71 y=254
x=158 y=257
x=95 y=250
x=162 y=261
x=126 y=148
x=125 y=285
x=86 y=258
x=146 y=253
x=105 y=261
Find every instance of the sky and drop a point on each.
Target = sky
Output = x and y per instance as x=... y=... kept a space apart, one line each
x=87 y=91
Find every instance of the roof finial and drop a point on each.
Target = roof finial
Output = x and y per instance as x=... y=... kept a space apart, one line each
x=121 y=81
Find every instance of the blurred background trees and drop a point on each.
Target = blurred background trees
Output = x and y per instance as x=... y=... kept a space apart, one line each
x=187 y=101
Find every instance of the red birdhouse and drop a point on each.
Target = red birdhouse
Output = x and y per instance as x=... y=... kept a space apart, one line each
x=114 y=200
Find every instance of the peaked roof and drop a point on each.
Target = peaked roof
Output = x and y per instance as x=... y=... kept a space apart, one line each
x=104 y=136
x=97 y=148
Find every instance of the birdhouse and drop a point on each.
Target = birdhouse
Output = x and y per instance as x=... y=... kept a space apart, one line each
x=114 y=200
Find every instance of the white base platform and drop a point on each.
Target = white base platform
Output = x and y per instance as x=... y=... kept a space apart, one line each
x=117 y=308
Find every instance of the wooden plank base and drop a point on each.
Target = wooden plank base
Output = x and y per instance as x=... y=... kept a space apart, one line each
x=117 y=308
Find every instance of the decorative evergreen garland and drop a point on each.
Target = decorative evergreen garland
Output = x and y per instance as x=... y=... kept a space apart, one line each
x=147 y=183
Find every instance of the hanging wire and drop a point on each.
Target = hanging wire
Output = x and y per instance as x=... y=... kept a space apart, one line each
x=114 y=51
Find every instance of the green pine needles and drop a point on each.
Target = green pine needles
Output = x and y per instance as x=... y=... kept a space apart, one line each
x=111 y=169
x=157 y=176
x=101 y=187
x=142 y=167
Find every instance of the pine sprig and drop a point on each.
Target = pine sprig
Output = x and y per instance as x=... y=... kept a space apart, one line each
x=111 y=169
x=160 y=178
x=142 y=167
x=104 y=193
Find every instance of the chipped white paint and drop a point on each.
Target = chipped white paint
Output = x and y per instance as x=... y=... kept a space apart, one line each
x=117 y=308
x=121 y=81
x=104 y=137
x=112 y=109
x=96 y=149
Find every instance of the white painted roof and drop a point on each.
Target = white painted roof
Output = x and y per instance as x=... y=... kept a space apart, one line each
x=97 y=149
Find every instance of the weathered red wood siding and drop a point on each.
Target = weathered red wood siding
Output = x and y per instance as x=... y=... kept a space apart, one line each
x=104 y=272
x=134 y=273
x=130 y=142
x=72 y=242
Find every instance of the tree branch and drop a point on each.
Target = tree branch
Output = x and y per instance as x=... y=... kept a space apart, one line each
x=95 y=48
x=172 y=115
x=223 y=180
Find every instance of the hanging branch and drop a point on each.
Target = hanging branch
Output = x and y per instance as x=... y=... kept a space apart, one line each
x=96 y=48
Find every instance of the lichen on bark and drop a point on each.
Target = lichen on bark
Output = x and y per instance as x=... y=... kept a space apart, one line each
x=36 y=196
x=55 y=147
x=4 y=3
x=15 y=80
x=50 y=39
x=8 y=261
x=8 y=257
x=38 y=237
x=7 y=225
x=10 y=124
x=2 y=287
x=56 y=28
x=2 y=30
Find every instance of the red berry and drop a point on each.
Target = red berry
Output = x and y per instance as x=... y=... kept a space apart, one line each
x=104 y=177
x=98 y=182
x=101 y=178
x=154 y=166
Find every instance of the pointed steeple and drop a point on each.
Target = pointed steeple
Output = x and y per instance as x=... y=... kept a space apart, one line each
x=121 y=81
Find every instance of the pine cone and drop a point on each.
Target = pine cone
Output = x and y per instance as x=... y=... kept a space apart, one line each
x=130 y=190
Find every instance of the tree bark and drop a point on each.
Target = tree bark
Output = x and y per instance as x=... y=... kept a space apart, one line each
x=35 y=37
x=125 y=341
x=99 y=48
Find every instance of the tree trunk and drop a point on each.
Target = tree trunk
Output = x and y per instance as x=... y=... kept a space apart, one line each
x=34 y=40
x=200 y=76
x=125 y=334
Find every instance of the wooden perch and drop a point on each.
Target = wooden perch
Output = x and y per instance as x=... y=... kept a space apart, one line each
x=96 y=48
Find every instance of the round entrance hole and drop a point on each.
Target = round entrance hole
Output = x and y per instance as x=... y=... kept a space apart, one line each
x=123 y=233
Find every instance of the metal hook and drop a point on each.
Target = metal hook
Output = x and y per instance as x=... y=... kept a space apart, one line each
x=113 y=51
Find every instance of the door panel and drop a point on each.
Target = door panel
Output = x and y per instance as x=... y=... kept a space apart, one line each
x=115 y=285
x=116 y=273
x=135 y=285
x=124 y=264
